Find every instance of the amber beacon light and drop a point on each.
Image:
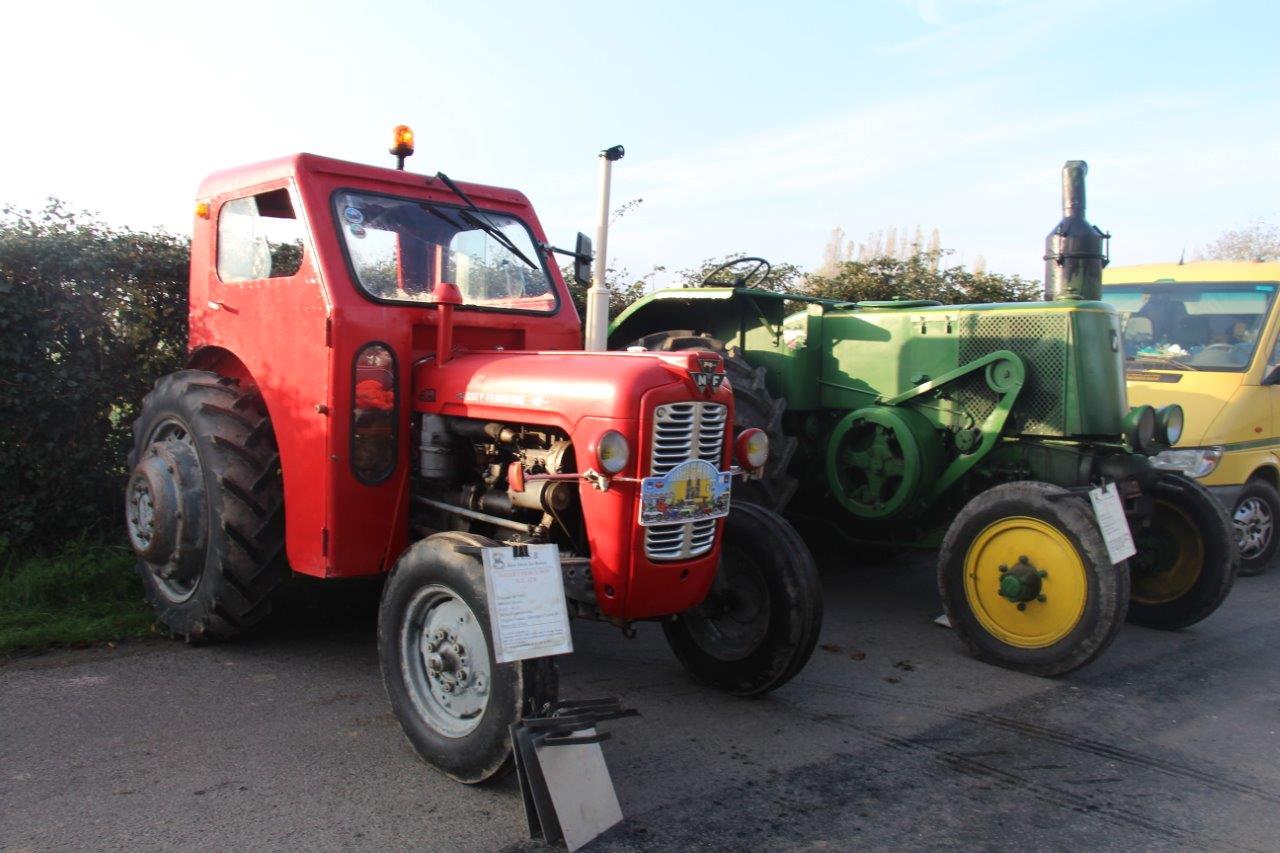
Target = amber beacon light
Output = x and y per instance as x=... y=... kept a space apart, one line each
x=402 y=144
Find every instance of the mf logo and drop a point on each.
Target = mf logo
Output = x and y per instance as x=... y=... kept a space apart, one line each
x=706 y=377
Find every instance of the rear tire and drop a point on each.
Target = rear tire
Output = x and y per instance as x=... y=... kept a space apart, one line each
x=1069 y=615
x=460 y=724
x=1255 y=517
x=1187 y=560
x=760 y=621
x=204 y=506
x=753 y=406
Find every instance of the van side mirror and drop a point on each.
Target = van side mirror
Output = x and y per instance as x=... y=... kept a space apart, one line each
x=582 y=258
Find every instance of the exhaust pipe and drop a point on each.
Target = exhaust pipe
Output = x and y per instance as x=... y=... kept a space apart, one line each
x=1075 y=251
x=597 y=319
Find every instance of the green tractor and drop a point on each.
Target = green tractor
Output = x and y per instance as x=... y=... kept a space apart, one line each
x=999 y=434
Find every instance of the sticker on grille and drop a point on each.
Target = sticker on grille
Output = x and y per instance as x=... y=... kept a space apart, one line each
x=684 y=431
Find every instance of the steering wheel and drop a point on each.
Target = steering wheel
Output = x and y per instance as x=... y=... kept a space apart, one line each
x=759 y=271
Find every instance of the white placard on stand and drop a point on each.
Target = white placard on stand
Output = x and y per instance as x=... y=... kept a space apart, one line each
x=527 y=612
x=1111 y=521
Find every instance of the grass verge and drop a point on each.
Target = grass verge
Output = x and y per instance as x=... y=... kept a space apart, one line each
x=90 y=593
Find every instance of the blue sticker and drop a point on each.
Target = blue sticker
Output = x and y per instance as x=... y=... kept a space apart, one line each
x=353 y=215
x=1265 y=288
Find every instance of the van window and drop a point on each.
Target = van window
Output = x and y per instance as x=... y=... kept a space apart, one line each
x=259 y=236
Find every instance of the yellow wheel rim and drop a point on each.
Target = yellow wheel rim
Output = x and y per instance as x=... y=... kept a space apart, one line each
x=1176 y=557
x=1060 y=585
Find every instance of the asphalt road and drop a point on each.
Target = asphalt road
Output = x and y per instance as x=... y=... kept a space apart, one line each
x=891 y=738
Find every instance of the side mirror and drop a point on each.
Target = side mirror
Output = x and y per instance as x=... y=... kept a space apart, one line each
x=582 y=258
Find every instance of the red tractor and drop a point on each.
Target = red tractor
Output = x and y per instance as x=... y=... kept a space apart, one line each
x=386 y=375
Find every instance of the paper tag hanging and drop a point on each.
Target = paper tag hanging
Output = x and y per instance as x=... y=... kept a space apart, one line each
x=1112 y=522
x=527 y=612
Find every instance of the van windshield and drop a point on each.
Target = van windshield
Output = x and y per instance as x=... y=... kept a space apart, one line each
x=400 y=249
x=1191 y=326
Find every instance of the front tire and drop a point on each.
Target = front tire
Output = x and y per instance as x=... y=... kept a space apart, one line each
x=204 y=505
x=1255 y=516
x=760 y=621
x=1027 y=582
x=1187 y=558
x=455 y=703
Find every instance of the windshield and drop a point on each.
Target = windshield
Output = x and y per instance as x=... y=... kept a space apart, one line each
x=400 y=249
x=1191 y=326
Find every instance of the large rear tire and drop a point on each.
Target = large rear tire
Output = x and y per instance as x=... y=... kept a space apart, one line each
x=753 y=406
x=760 y=621
x=1187 y=558
x=204 y=506
x=1027 y=582
x=455 y=703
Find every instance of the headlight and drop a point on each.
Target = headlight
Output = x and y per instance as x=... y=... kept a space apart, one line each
x=612 y=452
x=1193 y=461
x=752 y=448
x=1169 y=420
x=1140 y=428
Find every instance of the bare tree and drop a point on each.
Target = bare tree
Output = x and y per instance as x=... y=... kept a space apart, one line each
x=1257 y=241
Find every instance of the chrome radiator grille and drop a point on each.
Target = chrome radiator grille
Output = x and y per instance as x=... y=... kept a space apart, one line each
x=684 y=431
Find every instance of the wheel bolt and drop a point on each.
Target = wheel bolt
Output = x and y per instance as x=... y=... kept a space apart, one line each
x=1043 y=574
x=1022 y=605
x=1004 y=569
x=459 y=650
x=1041 y=599
x=435 y=663
x=461 y=675
x=1023 y=559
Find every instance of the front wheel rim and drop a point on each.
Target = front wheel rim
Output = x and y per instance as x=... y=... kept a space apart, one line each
x=1025 y=582
x=1254 y=525
x=444 y=658
x=734 y=619
x=1170 y=557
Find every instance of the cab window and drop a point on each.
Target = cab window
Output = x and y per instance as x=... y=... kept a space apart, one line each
x=400 y=249
x=259 y=236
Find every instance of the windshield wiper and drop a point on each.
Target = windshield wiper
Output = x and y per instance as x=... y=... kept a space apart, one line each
x=1163 y=359
x=484 y=225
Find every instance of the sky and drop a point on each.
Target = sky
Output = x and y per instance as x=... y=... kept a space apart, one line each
x=749 y=127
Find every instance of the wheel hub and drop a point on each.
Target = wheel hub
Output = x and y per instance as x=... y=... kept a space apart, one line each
x=734 y=619
x=1022 y=582
x=1253 y=524
x=165 y=515
x=450 y=662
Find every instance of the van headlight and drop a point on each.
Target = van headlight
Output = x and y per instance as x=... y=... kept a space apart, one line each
x=1169 y=421
x=1192 y=461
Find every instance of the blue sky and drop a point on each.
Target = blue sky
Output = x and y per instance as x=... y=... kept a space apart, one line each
x=748 y=126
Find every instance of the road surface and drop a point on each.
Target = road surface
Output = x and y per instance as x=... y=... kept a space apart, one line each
x=891 y=737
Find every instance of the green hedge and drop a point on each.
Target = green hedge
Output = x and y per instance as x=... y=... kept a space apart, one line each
x=90 y=315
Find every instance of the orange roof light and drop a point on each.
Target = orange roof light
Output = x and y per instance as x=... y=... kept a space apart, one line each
x=202 y=209
x=402 y=144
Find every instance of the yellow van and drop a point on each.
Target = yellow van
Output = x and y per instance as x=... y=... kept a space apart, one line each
x=1204 y=335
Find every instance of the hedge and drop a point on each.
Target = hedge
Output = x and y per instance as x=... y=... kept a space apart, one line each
x=90 y=315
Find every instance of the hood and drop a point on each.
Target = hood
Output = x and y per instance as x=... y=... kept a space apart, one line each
x=1201 y=394
x=568 y=385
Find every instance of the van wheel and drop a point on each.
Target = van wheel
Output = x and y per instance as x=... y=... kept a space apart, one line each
x=1027 y=582
x=1187 y=558
x=455 y=703
x=759 y=623
x=1255 y=516
x=204 y=505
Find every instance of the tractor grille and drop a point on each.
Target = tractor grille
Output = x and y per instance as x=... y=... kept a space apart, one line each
x=684 y=431
x=1042 y=341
